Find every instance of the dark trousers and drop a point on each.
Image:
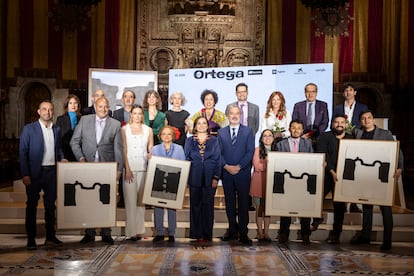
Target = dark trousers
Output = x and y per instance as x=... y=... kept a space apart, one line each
x=285 y=226
x=387 y=221
x=339 y=207
x=202 y=212
x=46 y=182
x=237 y=187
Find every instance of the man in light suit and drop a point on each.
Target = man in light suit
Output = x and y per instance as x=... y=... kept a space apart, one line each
x=237 y=148
x=250 y=111
x=312 y=112
x=97 y=138
x=39 y=150
x=371 y=131
x=350 y=107
x=123 y=114
x=295 y=144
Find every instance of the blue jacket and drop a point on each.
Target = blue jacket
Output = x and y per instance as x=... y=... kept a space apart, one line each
x=32 y=147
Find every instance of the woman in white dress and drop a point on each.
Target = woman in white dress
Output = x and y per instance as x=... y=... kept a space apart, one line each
x=137 y=143
x=276 y=117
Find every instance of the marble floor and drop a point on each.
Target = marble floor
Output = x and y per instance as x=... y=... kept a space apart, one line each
x=187 y=258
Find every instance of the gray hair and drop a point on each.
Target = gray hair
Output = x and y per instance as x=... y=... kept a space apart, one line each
x=183 y=99
x=233 y=105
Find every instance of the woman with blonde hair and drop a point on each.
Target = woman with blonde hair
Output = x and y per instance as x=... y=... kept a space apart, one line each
x=137 y=144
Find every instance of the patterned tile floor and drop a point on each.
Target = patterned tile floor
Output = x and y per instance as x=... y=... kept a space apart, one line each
x=187 y=258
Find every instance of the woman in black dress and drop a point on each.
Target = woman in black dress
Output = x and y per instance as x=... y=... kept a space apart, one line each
x=178 y=117
x=68 y=122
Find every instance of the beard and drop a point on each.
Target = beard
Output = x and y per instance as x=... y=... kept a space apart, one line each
x=338 y=131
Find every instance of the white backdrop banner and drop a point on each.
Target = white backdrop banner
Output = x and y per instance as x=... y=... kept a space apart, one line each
x=261 y=80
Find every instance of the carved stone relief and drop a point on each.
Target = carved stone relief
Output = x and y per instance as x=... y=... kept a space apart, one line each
x=196 y=34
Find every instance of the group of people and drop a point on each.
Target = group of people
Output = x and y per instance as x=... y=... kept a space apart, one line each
x=220 y=146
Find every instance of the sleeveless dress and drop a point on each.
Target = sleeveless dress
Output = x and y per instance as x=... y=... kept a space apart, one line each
x=137 y=148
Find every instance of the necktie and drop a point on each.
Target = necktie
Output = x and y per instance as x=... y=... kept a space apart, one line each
x=233 y=136
x=309 y=121
x=99 y=129
x=242 y=115
x=295 y=146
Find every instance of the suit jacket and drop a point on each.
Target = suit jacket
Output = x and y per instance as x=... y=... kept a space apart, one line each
x=321 y=116
x=241 y=153
x=252 y=116
x=119 y=114
x=305 y=145
x=63 y=122
x=358 y=109
x=31 y=149
x=109 y=148
x=203 y=169
x=91 y=110
x=382 y=134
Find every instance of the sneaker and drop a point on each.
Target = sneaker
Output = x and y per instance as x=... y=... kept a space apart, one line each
x=158 y=239
x=53 y=241
x=108 y=239
x=87 y=239
x=31 y=244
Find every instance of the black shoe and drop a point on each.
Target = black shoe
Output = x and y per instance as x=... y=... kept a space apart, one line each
x=315 y=224
x=359 y=239
x=305 y=239
x=229 y=236
x=171 y=239
x=108 y=239
x=333 y=238
x=31 y=244
x=87 y=239
x=353 y=208
x=158 y=239
x=283 y=238
x=135 y=238
x=53 y=241
x=245 y=241
x=385 y=246
x=120 y=205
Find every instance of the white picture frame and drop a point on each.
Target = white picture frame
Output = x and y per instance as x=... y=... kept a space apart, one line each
x=294 y=184
x=165 y=182
x=114 y=82
x=86 y=195
x=366 y=170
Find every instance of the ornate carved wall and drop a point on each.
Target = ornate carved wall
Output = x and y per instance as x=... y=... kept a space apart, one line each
x=191 y=34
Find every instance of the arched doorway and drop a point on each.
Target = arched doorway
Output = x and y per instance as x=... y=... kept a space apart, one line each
x=36 y=92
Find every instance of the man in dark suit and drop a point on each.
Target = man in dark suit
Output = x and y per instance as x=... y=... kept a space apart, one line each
x=97 y=138
x=123 y=114
x=371 y=131
x=39 y=150
x=294 y=144
x=250 y=111
x=237 y=148
x=98 y=93
x=249 y=115
x=312 y=112
x=350 y=107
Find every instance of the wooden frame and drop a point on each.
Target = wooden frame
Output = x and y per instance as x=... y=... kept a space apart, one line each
x=86 y=195
x=366 y=171
x=295 y=184
x=114 y=82
x=165 y=182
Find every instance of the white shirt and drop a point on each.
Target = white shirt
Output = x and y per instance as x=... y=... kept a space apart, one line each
x=49 y=145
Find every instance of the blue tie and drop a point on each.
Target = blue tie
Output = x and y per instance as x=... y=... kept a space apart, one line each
x=233 y=136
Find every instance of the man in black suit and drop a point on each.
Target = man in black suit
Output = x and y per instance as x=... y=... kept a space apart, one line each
x=99 y=93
